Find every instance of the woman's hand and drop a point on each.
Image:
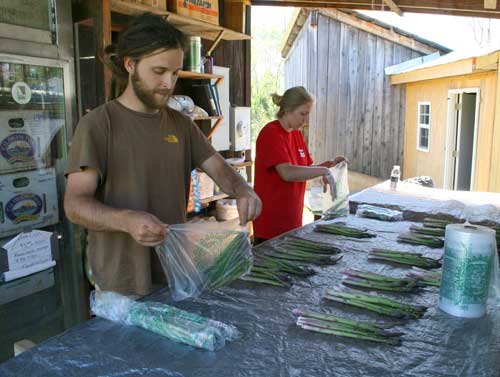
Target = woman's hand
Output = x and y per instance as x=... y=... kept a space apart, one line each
x=331 y=163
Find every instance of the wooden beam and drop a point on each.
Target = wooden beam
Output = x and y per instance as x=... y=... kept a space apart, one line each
x=473 y=8
x=377 y=30
x=462 y=67
x=487 y=62
x=494 y=183
x=297 y=21
x=394 y=7
x=490 y=4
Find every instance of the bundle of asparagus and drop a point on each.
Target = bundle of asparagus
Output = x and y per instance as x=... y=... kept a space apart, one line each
x=379 y=213
x=358 y=278
x=377 y=304
x=404 y=258
x=303 y=256
x=302 y=244
x=230 y=264
x=420 y=239
x=275 y=272
x=203 y=256
x=425 y=277
x=436 y=223
x=343 y=230
x=165 y=320
x=438 y=232
x=344 y=327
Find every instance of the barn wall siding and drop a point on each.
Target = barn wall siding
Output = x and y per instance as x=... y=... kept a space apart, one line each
x=357 y=113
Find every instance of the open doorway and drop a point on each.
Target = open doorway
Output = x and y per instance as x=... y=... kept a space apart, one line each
x=461 y=134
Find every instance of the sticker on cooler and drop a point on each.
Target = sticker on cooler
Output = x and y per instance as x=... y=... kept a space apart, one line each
x=24 y=207
x=302 y=154
x=28 y=201
x=17 y=148
x=21 y=93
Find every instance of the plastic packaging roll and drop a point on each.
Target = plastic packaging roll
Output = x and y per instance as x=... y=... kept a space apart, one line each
x=470 y=270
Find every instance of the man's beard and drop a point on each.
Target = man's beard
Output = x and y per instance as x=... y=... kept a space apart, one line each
x=146 y=96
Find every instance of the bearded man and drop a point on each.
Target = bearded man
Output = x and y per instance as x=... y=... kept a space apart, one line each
x=129 y=167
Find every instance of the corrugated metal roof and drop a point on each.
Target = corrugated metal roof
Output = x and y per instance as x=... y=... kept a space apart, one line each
x=294 y=29
x=454 y=56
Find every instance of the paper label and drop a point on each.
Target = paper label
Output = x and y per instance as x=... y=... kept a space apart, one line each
x=29 y=249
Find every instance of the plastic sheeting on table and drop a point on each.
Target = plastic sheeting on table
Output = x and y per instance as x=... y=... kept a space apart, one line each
x=272 y=345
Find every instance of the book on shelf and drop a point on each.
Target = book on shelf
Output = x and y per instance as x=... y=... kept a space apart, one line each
x=215 y=92
x=204 y=97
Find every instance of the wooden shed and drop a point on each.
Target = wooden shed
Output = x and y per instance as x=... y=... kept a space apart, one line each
x=452 y=126
x=339 y=56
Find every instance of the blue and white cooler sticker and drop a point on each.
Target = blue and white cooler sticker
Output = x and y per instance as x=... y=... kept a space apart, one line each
x=25 y=138
x=28 y=200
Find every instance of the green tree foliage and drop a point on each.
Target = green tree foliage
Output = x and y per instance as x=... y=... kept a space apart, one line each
x=267 y=73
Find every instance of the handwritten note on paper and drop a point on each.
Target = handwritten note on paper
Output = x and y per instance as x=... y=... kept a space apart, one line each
x=28 y=250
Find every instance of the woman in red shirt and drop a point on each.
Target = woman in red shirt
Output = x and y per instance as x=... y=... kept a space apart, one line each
x=283 y=164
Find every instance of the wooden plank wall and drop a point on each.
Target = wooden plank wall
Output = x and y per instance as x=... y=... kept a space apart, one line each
x=432 y=163
x=357 y=112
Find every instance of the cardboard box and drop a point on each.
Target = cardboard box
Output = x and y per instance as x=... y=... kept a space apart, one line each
x=161 y=4
x=204 y=10
x=27 y=201
x=26 y=286
x=205 y=185
x=25 y=138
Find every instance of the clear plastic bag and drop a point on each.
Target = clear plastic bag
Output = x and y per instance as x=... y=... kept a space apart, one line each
x=340 y=205
x=171 y=322
x=379 y=213
x=204 y=255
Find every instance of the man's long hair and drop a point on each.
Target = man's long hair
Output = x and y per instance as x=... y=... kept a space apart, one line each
x=144 y=34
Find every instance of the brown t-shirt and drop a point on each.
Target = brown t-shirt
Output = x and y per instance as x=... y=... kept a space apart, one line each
x=144 y=163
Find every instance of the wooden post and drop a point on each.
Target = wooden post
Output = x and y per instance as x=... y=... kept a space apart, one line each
x=234 y=14
x=494 y=181
x=102 y=28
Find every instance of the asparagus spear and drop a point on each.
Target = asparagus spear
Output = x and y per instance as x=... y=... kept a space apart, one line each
x=409 y=259
x=420 y=239
x=439 y=232
x=378 y=304
x=347 y=334
x=342 y=330
x=367 y=326
x=343 y=230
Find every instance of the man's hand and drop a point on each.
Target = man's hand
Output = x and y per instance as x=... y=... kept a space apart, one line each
x=249 y=206
x=145 y=228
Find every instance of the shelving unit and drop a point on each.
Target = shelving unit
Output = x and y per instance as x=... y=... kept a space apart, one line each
x=112 y=16
x=209 y=118
x=242 y=164
x=214 y=198
x=189 y=26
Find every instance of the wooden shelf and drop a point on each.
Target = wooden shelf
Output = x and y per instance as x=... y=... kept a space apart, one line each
x=198 y=76
x=209 y=118
x=188 y=25
x=214 y=198
x=242 y=164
